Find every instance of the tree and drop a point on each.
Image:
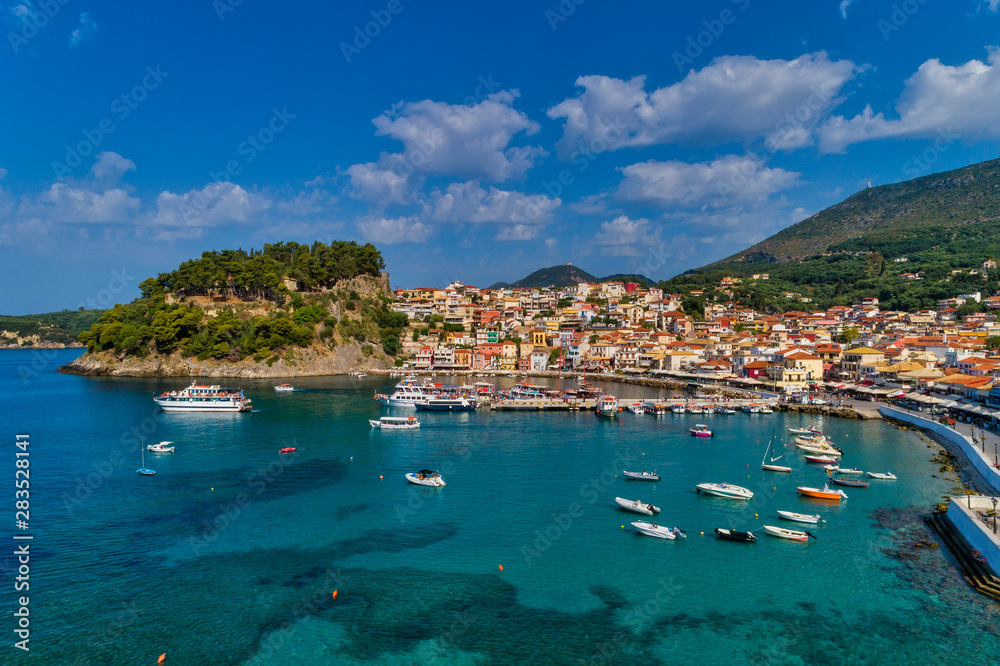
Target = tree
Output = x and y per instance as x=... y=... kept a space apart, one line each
x=848 y=335
x=993 y=342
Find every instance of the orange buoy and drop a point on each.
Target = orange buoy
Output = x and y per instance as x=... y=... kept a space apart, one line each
x=501 y=567
x=163 y=658
x=380 y=477
x=334 y=595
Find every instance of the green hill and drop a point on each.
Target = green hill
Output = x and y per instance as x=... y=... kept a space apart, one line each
x=566 y=275
x=942 y=227
x=51 y=327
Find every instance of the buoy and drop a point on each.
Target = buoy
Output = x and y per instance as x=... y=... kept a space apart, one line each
x=213 y=489
x=380 y=477
x=163 y=658
x=623 y=527
x=334 y=595
x=501 y=567
x=703 y=534
x=756 y=515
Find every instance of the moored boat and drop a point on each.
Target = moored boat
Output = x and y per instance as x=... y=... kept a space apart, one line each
x=821 y=460
x=162 y=447
x=658 y=531
x=200 y=398
x=769 y=466
x=825 y=494
x=851 y=483
x=810 y=518
x=724 y=490
x=425 y=477
x=735 y=535
x=724 y=409
x=441 y=404
x=841 y=470
x=794 y=535
x=395 y=423
x=641 y=476
x=889 y=476
x=607 y=405
x=637 y=506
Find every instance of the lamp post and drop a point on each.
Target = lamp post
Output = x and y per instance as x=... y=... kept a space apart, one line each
x=994 y=500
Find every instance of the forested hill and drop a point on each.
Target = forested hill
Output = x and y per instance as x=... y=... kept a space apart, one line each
x=234 y=305
x=50 y=328
x=909 y=244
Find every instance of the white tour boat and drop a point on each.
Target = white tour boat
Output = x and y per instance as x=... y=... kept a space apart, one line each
x=200 y=398
x=724 y=490
x=425 y=477
x=659 y=531
x=395 y=423
x=607 y=405
x=409 y=392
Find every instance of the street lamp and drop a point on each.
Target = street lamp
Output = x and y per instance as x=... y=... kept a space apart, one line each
x=994 y=500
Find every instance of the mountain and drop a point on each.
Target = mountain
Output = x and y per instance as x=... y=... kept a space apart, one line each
x=909 y=244
x=566 y=275
x=51 y=329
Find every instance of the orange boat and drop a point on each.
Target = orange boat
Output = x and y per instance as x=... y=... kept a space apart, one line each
x=825 y=494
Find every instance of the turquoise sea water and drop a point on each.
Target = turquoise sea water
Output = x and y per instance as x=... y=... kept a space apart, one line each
x=230 y=554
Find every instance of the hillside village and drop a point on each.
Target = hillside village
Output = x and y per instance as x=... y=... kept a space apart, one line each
x=619 y=327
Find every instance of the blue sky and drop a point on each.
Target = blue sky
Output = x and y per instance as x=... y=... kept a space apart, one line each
x=472 y=141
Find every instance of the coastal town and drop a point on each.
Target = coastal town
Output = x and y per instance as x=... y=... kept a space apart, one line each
x=626 y=328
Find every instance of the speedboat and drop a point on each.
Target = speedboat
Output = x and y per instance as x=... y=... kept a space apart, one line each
x=804 y=431
x=853 y=483
x=659 y=531
x=812 y=519
x=825 y=493
x=751 y=408
x=395 y=423
x=287 y=449
x=794 y=535
x=162 y=447
x=284 y=388
x=723 y=409
x=641 y=476
x=701 y=430
x=735 y=535
x=821 y=460
x=889 y=476
x=841 y=470
x=724 y=490
x=637 y=506
x=636 y=408
x=425 y=477
x=828 y=451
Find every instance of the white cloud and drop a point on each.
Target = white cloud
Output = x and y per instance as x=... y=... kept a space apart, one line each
x=590 y=204
x=70 y=204
x=733 y=99
x=517 y=232
x=625 y=237
x=469 y=202
x=213 y=205
x=956 y=101
x=3 y=173
x=398 y=230
x=994 y=5
x=844 y=4
x=84 y=31
x=111 y=167
x=728 y=179
x=383 y=183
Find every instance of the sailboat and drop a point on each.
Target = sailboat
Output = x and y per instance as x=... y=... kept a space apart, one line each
x=145 y=471
x=769 y=464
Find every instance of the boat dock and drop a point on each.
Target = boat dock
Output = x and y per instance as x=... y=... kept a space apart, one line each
x=575 y=404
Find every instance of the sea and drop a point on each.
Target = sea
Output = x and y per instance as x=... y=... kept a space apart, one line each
x=236 y=554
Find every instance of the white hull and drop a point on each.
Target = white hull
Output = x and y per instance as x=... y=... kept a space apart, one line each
x=811 y=519
x=725 y=490
x=885 y=476
x=641 y=476
x=831 y=453
x=637 y=506
x=658 y=531
x=383 y=425
x=435 y=481
x=781 y=532
x=193 y=407
x=841 y=470
x=775 y=468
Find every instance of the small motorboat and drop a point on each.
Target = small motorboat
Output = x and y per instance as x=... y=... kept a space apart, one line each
x=162 y=447
x=641 y=476
x=853 y=483
x=811 y=519
x=724 y=490
x=395 y=423
x=794 y=535
x=659 y=531
x=284 y=388
x=287 y=449
x=825 y=494
x=889 y=476
x=701 y=430
x=841 y=470
x=804 y=431
x=735 y=535
x=637 y=506
x=723 y=409
x=636 y=408
x=827 y=451
x=821 y=460
x=425 y=477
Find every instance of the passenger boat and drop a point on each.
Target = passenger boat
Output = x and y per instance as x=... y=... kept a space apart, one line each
x=654 y=408
x=889 y=476
x=637 y=506
x=284 y=388
x=825 y=493
x=287 y=449
x=636 y=408
x=162 y=447
x=694 y=408
x=677 y=408
x=425 y=477
x=641 y=476
x=724 y=490
x=769 y=465
x=395 y=423
x=735 y=535
x=607 y=405
x=409 y=392
x=442 y=404
x=659 y=531
x=810 y=518
x=765 y=408
x=821 y=460
x=701 y=430
x=724 y=409
x=200 y=398
x=840 y=470
x=794 y=535
x=851 y=483
x=751 y=408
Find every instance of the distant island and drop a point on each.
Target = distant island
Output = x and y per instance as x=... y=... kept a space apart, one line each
x=286 y=310
x=48 y=330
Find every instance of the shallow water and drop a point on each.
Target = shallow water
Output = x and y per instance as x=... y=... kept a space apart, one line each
x=230 y=554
